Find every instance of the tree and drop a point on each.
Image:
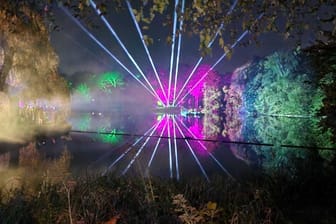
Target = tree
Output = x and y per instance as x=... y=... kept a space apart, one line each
x=110 y=80
x=29 y=81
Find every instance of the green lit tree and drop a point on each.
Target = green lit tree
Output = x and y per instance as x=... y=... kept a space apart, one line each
x=112 y=137
x=110 y=80
x=288 y=94
x=283 y=87
x=84 y=90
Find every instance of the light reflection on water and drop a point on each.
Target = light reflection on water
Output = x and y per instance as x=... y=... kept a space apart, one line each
x=161 y=145
x=237 y=147
x=144 y=144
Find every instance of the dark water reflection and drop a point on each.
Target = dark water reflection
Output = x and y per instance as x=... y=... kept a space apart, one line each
x=144 y=144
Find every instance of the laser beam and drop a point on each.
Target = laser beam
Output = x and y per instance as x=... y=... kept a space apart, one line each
x=140 y=149
x=130 y=9
x=201 y=58
x=178 y=51
x=170 y=151
x=102 y=17
x=175 y=147
x=205 y=148
x=108 y=52
x=130 y=148
x=157 y=144
x=218 y=61
x=193 y=153
x=222 y=24
x=172 y=51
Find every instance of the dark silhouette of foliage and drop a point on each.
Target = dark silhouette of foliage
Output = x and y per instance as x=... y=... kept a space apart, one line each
x=292 y=19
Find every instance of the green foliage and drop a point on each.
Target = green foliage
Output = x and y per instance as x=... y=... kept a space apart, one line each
x=84 y=90
x=109 y=80
x=283 y=132
x=282 y=87
x=112 y=137
x=287 y=94
x=328 y=79
x=97 y=199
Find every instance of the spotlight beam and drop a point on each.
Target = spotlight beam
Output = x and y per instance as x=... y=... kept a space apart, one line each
x=205 y=148
x=218 y=61
x=201 y=58
x=193 y=153
x=156 y=146
x=178 y=51
x=170 y=152
x=102 y=17
x=130 y=148
x=130 y=9
x=172 y=51
x=175 y=147
x=140 y=149
x=107 y=51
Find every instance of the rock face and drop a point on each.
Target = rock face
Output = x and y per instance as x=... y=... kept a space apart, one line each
x=31 y=90
x=2 y=56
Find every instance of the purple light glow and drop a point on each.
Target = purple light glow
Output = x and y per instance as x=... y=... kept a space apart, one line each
x=195 y=131
x=162 y=95
x=21 y=104
x=164 y=125
x=196 y=93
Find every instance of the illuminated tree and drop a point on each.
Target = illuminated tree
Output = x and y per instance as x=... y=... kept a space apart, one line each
x=28 y=73
x=110 y=80
x=111 y=137
x=233 y=104
x=289 y=93
x=282 y=85
x=212 y=105
x=83 y=90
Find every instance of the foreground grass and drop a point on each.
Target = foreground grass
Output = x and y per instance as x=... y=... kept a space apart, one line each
x=43 y=191
x=110 y=199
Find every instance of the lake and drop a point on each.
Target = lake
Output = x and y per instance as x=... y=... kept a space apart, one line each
x=180 y=144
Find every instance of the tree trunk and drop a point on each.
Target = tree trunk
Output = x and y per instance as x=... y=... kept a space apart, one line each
x=5 y=64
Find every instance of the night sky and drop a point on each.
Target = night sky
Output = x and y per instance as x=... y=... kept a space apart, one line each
x=78 y=53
